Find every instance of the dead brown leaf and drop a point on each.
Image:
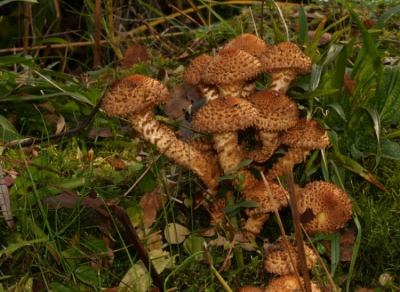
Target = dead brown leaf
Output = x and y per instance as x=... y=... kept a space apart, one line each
x=134 y=54
x=347 y=241
x=323 y=40
x=182 y=97
x=151 y=203
x=349 y=84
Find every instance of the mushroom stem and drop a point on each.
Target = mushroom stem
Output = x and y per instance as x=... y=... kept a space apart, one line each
x=270 y=142
x=230 y=155
x=292 y=157
x=280 y=80
x=177 y=151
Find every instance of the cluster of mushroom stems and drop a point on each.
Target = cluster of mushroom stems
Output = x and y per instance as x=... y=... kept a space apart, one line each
x=227 y=82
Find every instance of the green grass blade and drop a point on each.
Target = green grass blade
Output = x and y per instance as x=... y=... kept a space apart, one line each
x=303 y=26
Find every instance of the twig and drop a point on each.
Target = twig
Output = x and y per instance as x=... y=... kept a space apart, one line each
x=97 y=34
x=297 y=225
x=278 y=218
x=144 y=173
x=33 y=141
x=283 y=20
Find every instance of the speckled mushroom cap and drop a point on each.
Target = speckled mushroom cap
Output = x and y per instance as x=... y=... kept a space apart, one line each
x=289 y=283
x=258 y=193
x=250 y=289
x=277 y=260
x=193 y=72
x=305 y=135
x=231 y=66
x=133 y=94
x=277 y=111
x=286 y=55
x=249 y=43
x=225 y=114
x=323 y=207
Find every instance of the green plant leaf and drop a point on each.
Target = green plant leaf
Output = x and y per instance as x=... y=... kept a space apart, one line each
x=338 y=108
x=303 y=26
x=239 y=166
x=88 y=275
x=8 y=1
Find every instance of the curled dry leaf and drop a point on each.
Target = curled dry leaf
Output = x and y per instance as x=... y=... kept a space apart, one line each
x=182 y=97
x=151 y=203
x=175 y=233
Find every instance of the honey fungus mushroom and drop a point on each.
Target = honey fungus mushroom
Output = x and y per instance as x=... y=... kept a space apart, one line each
x=259 y=215
x=192 y=76
x=301 y=139
x=223 y=117
x=323 y=207
x=289 y=283
x=254 y=46
x=277 y=260
x=283 y=62
x=229 y=70
x=134 y=97
x=277 y=113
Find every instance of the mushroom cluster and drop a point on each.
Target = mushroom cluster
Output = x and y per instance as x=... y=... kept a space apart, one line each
x=227 y=82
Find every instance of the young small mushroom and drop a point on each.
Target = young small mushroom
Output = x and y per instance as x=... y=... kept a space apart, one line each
x=229 y=70
x=289 y=283
x=223 y=117
x=283 y=62
x=277 y=113
x=134 y=97
x=277 y=260
x=323 y=207
x=192 y=76
x=259 y=215
x=301 y=139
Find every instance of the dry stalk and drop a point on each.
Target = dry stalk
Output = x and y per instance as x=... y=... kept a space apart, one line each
x=278 y=218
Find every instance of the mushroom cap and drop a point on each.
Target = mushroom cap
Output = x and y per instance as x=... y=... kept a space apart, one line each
x=250 y=289
x=277 y=111
x=283 y=56
x=323 y=207
x=305 y=135
x=225 y=114
x=277 y=260
x=231 y=66
x=289 y=283
x=249 y=43
x=258 y=193
x=192 y=73
x=133 y=94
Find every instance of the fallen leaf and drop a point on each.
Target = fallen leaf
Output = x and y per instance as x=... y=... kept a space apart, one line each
x=175 y=233
x=151 y=203
x=134 y=54
x=182 y=97
x=60 y=124
x=349 y=84
x=323 y=40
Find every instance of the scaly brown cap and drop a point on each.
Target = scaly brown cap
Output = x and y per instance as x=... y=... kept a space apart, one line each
x=193 y=72
x=277 y=260
x=277 y=111
x=250 y=289
x=249 y=43
x=225 y=114
x=284 y=56
x=289 y=283
x=323 y=207
x=133 y=94
x=309 y=136
x=230 y=69
x=258 y=193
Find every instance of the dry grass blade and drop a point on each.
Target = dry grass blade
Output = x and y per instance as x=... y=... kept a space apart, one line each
x=284 y=238
x=297 y=226
x=5 y=202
